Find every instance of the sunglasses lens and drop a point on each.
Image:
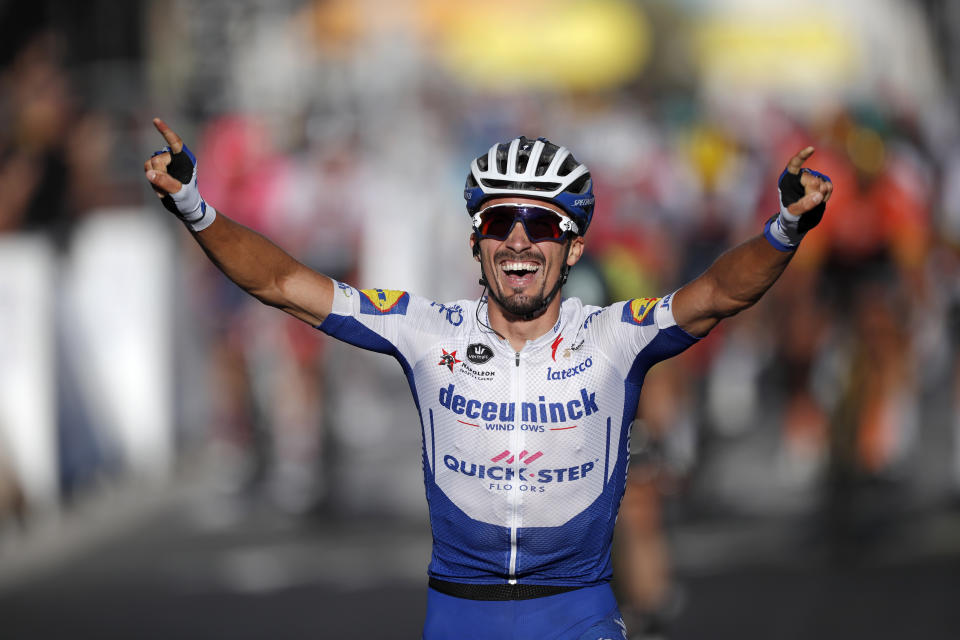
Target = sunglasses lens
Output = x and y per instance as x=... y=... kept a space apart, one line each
x=543 y=226
x=540 y=224
x=496 y=223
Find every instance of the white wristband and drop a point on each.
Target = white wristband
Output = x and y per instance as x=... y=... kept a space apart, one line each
x=191 y=208
x=783 y=230
x=207 y=216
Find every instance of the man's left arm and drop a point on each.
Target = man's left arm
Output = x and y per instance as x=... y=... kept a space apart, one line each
x=739 y=277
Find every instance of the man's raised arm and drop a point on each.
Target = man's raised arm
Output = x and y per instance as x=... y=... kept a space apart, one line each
x=739 y=277
x=255 y=264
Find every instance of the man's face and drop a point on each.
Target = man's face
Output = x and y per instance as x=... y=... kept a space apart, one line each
x=520 y=272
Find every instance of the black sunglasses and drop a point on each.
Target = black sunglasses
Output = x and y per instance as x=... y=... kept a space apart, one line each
x=540 y=223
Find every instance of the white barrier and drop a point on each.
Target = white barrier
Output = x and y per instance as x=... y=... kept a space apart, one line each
x=119 y=286
x=27 y=374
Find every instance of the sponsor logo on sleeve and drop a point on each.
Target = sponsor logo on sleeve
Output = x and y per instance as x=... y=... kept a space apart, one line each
x=345 y=289
x=454 y=314
x=479 y=353
x=637 y=311
x=378 y=302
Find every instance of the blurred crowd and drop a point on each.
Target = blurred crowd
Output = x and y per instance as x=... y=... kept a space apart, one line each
x=347 y=142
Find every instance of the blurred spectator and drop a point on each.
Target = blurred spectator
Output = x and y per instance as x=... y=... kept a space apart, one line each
x=55 y=168
x=52 y=155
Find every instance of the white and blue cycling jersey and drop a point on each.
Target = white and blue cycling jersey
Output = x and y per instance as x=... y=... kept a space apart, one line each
x=524 y=452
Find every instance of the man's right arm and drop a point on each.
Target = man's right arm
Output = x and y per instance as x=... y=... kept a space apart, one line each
x=253 y=262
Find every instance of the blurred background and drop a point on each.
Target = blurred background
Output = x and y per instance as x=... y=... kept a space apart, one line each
x=178 y=462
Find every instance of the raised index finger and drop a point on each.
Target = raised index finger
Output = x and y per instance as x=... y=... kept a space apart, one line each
x=173 y=140
x=793 y=166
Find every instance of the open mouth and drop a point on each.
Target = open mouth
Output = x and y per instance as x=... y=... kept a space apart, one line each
x=519 y=273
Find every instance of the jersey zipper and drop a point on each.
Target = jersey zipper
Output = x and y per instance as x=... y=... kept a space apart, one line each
x=515 y=491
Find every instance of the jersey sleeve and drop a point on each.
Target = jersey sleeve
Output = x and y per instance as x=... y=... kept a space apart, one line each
x=636 y=334
x=381 y=320
x=373 y=319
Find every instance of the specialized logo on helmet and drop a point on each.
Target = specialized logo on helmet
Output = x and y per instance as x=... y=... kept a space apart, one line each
x=637 y=311
x=383 y=302
x=583 y=202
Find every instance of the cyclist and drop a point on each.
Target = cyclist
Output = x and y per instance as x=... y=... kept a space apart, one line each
x=525 y=398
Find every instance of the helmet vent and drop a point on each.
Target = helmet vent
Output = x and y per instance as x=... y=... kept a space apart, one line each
x=521 y=186
x=580 y=185
x=546 y=158
x=502 y=152
x=569 y=164
x=523 y=159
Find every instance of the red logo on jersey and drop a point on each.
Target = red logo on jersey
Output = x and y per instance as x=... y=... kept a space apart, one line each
x=448 y=359
x=522 y=457
x=553 y=347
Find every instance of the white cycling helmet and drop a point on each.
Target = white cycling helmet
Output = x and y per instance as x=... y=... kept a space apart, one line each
x=534 y=169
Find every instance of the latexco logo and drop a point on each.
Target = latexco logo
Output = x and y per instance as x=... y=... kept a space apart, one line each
x=479 y=353
x=563 y=374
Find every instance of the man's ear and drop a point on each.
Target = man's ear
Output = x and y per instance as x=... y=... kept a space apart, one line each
x=576 y=250
x=475 y=247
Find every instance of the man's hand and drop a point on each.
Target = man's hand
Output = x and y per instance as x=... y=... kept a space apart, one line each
x=156 y=168
x=251 y=261
x=172 y=173
x=803 y=199
x=816 y=186
x=738 y=278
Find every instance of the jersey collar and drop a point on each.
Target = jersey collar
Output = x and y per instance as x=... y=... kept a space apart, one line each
x=549 y=339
